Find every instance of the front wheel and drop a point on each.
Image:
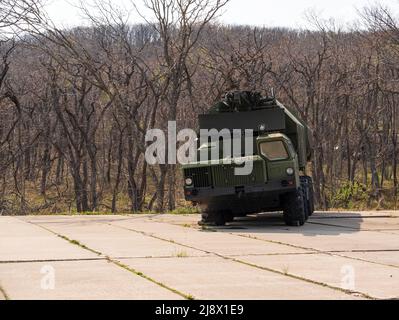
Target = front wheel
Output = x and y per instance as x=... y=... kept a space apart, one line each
x=216 y=218
x=294 y=208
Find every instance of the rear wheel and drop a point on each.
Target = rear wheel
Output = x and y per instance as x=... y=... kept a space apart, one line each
x=294 y=208
x=311 y=196
x=307 y=187
x=306 y=207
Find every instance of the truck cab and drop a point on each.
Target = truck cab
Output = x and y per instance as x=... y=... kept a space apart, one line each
x=280 y=158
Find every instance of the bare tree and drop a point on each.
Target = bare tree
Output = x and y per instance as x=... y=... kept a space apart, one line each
x=179 y=24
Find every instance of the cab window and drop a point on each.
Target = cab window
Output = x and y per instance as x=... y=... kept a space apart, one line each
x=274 y=150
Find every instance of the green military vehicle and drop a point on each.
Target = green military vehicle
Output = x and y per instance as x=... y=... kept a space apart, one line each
x=281 y=150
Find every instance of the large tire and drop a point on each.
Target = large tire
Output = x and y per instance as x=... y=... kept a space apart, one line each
x=229 y=216
x=294 y=208
x=217 y=218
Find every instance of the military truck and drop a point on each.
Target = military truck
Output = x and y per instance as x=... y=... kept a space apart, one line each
x=281 y=150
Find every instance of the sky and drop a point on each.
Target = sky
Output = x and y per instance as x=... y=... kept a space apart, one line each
x=270 y=13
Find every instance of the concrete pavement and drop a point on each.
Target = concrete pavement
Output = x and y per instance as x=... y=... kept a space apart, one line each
x=77 y=280
x=347 y=255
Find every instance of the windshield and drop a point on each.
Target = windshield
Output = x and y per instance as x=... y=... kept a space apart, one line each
x=274 y=150
x=243 y=147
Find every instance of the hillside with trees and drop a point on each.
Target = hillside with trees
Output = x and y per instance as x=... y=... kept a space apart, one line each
x=75 y=104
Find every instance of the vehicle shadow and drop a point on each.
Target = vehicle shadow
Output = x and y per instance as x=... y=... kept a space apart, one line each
x=321 y=223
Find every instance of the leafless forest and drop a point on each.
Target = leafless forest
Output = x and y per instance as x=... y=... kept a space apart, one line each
x=75 y=104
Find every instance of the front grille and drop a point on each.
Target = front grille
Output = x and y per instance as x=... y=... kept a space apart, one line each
x=201 y=176
x=223 y=176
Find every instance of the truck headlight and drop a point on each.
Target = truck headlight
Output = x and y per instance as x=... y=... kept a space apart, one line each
x=189 y=182
x=262 y=128
x=290 y=171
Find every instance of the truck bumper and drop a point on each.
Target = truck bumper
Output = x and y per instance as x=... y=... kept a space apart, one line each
x=240 y=198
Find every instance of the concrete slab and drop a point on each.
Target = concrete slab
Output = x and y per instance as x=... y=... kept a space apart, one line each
x=54 y=219
x=342 y=213
x=390 y=258
x=361 y=224
x=86 y=280
x=218 y=278
x=324 y=238
x=319 y=214
x=116 y=242
x=217 y=242
x=177 y=218
x=21 y=241
x=89 y=219
x=81 y=274
x=395 y=232
x=371 y=279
